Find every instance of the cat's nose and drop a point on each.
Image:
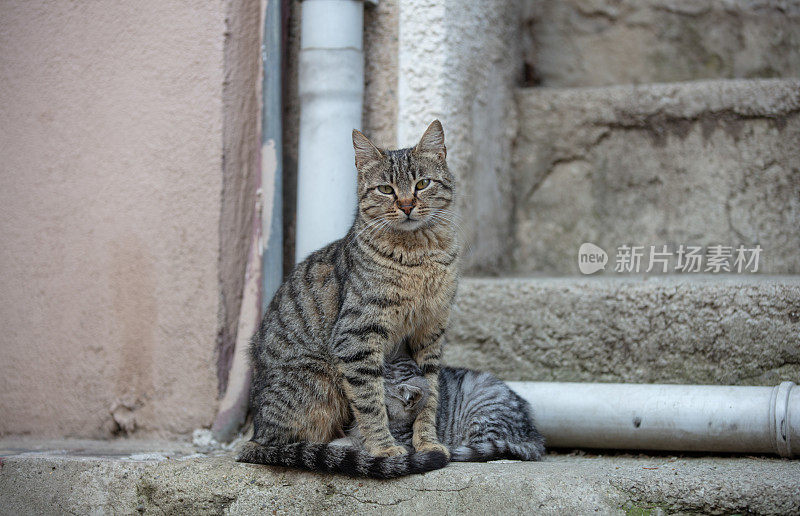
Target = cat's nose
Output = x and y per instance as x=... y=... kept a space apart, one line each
x=406 y=205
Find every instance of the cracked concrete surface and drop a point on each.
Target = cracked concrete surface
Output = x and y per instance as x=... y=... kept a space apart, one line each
x=703 y=163
x=742 y=330
x=601 y=42
x=81 y=477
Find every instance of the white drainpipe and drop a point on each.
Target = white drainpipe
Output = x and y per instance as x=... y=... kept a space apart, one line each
x=667 y=417
x=331 y=91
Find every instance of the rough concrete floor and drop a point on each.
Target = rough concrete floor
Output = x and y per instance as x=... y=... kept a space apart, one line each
x=129 y=477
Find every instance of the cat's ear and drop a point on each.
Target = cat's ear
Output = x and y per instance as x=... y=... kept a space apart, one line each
x=410 y=395
x=432 y=142
x=366 y=152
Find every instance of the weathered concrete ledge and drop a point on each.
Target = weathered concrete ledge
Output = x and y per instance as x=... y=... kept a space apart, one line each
x=698 y=163
x=730 y=330
x=136 y=478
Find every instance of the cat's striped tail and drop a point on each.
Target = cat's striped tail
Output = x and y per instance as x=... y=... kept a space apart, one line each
x=346 y=460
x=498 y=449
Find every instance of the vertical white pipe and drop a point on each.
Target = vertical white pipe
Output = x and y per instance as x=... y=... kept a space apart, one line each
x=331 y=91
x=711 y=418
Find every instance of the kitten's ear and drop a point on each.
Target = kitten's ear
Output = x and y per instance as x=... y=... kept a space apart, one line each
x=432 y=142
x=366 y=152
x=410 y=395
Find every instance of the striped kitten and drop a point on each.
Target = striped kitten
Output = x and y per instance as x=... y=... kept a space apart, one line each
x=319 y=353
x=479 y=417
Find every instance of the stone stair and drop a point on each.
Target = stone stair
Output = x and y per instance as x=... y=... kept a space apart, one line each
x=705 y=163
x=135 y=477
x=664 y=329
x=656 y=123
x=649 y=124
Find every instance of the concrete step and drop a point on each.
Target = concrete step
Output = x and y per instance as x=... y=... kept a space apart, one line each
x=667 y=329
x=602 y=42
x=699 y=163
x=124 y=477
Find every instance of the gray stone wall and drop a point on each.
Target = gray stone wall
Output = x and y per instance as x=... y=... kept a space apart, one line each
x=602 y=42
x=701 y=163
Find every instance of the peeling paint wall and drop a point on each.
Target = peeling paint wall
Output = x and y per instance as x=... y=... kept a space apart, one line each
x=241 y=122
x=124 y=192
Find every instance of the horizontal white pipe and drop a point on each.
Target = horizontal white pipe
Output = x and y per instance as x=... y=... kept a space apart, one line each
x=667 y=417
x=331 y=91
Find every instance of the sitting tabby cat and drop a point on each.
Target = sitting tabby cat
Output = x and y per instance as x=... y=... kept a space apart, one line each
x=318 y=355
x=479 y=417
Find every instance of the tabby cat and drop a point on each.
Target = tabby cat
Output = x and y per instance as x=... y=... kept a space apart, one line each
x=479 y=417
x=318 y=355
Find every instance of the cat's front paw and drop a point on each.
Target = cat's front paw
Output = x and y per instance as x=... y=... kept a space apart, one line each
x=433 y=446
x=389 y=451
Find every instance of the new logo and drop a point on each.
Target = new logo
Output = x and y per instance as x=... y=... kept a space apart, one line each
x=591 y=258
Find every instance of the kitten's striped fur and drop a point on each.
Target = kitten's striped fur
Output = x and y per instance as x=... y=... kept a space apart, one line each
x=319 y=353
x=479 y=417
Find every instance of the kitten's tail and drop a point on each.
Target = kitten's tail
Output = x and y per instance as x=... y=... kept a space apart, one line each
x=347 y=460
x=498 y=449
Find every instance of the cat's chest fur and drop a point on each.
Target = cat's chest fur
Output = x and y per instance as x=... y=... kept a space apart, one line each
x=428 y=291
x=416 y=283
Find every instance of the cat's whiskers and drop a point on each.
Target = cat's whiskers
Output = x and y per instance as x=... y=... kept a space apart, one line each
x=449 y=217
x=374 y=228
x=371 y=225
x=381 y=228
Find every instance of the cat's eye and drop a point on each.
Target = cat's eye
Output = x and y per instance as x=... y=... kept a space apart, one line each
x=422 y=183
x=386 y=189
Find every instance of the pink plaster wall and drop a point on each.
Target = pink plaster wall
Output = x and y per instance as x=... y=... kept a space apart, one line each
x=112 y=284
